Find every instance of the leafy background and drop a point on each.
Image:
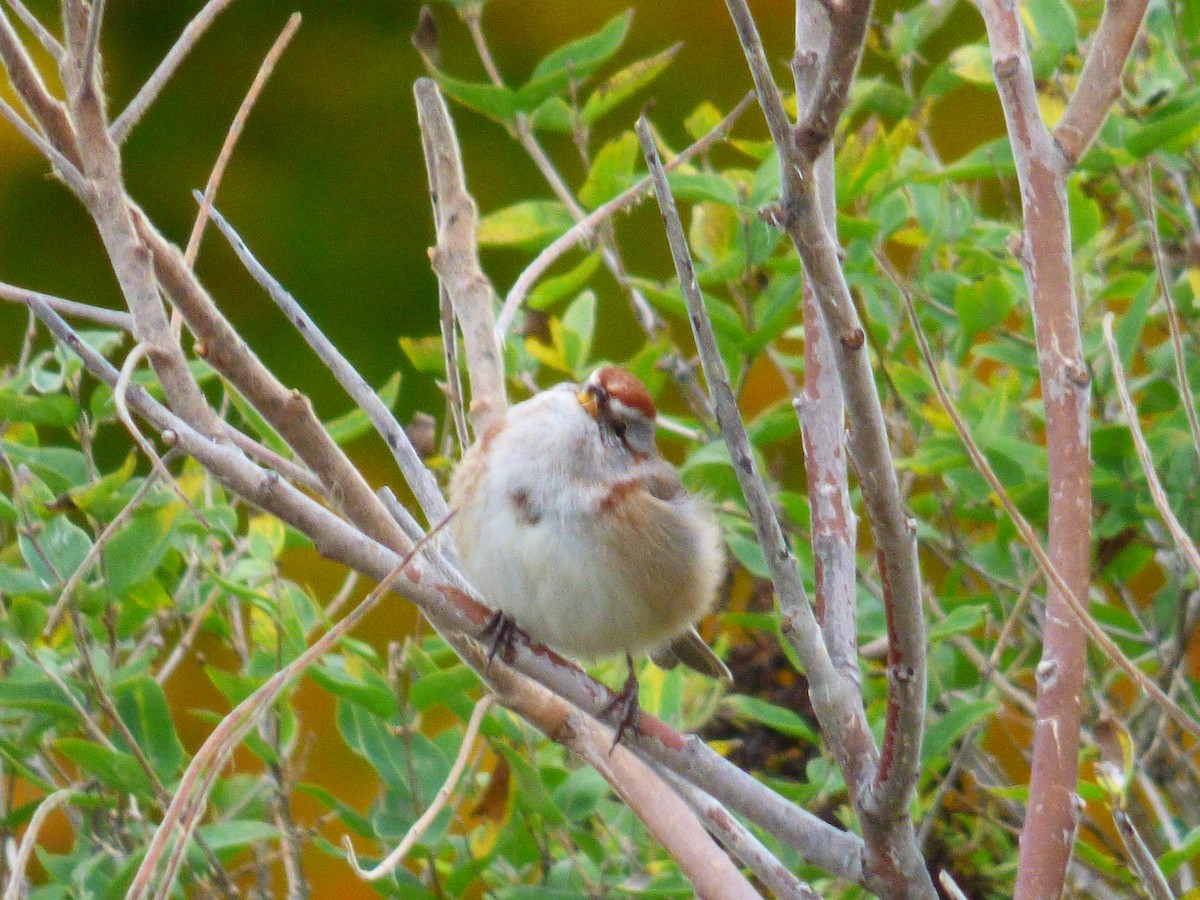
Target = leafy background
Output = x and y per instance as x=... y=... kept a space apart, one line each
x=327 y=187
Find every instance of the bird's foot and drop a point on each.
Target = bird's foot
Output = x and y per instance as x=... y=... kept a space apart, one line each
x=626 y=703
x=503 y=632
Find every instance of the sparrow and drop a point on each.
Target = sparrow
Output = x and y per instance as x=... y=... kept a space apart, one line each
x=582 y=536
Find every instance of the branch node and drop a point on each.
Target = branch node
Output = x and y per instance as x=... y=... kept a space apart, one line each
x=853 y=341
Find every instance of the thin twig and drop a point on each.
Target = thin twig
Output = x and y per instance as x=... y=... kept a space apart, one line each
x=16 y=875
x=235 y=132
x=1150 y=876
x=1164 y=284
x=109 y=318
x=389 y=863
x=62 y=166
x=739 y=841
x=1029 y=537
x=157 y=81
x=91 y=48
x=455 y=259
x=97 y=548
x=585 y=228
x=34 y=24
x=419 y=478
x=1182 y=540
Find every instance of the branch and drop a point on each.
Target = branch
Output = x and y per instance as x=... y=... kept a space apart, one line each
x=1029 y=537
x=1178 y=534
x=109 y=318
x=34 y=24
x=456 y=257
x=419 y=478
x=1051 y=813
x=16 y=875
x=235 y=132
x=831 y=93
x=450 y=607
x=738 y=839
x=821 y=409
x=288 y=412
x=389 y=863
x=585 y=228
x=47 y=111
x=149 y=92
x=1099 y=84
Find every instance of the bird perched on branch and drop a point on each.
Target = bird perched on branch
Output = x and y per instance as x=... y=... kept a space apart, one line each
x=583 y=537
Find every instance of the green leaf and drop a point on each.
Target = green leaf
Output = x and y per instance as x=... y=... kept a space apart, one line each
x=1187 y=850
x=143 y=707
x=531 y=788
x=972 y=63
x=1053 y=31
x=54 y=552
x=137 y=549
x=528 y=223
x=115 y=769
x=427 y=354
x=57 y=410
x=449 y=687
x=551 y=290
x=35 y=696
x=578 y=326
x=1173 y=126
x=553 y=115
x=942 y=734
x=351 y=426
x=494 y=101
x=611 y=171
x=351 y=818
x=982 y=304
x=236 y=833
x=626 y=83
x=367 y=688
x=584 y=55
x=697 y=187
x=777 y=718
x=371 y=738
x=959 y=621
x=573 y=62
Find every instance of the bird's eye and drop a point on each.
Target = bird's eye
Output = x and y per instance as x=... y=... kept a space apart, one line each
x=619 y=429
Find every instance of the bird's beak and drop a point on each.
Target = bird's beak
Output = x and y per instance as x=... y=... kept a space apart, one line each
x=587 y=399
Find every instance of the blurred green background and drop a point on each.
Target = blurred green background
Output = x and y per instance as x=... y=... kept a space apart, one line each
x=327 y=184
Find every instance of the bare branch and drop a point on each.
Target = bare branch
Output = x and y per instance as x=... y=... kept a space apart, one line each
x=1186 y=400
x=109 y=318
x=34 y=24
x=585 y=228
x=389 y=863
x=149 y=92
x=47 y=111
x=831 y=93
x=16 y=876
x=741 y=843
x=91 y=48
x=288 y=412
x=456 y=257
x=1099 y=84
x=1029 y=537
x=1150 y=876
x=419 y=478
x=235 y=132
x=62 y=166
x=1178 y=533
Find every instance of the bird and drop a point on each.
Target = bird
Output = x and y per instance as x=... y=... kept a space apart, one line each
x=579 y=534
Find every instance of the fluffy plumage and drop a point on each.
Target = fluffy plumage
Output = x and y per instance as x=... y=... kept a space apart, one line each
x=571 y=524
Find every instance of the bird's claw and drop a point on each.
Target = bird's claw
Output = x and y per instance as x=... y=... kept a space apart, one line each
x=626 y=702
x=503 y=632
